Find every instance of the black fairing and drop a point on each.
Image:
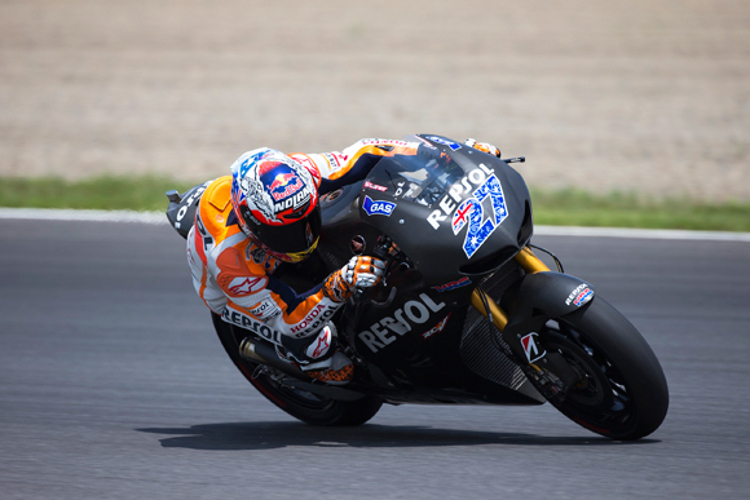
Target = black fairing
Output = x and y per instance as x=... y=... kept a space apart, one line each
x=413 y=335
x=425 y=214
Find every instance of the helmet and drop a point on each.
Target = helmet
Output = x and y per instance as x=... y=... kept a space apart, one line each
x=276 y=201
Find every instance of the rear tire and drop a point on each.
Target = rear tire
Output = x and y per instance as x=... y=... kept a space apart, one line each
x=302 y=405
x=622 y=392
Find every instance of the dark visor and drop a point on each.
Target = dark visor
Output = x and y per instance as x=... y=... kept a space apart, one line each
x=296 y=237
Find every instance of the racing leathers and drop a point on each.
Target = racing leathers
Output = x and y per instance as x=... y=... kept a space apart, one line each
x=235 y=277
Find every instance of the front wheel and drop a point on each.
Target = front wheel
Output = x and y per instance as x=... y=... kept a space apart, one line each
x=302 y=405
x=620 y=390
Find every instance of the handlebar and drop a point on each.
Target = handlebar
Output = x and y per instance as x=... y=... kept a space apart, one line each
x=386 y=251
x=383 y=248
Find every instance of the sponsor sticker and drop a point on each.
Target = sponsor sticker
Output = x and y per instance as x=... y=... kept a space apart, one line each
x=376 y=187
x=531 y=349
x=246 y=285
x=265 y=310
x=314 y=320
x=378 y=207
x=285 y=185
x=582 y=294
x=321 y=344
x=437 y=328
x=583 y=297
x=452 y=285
x=414 y=312
x=299 y=199
x=457 y=193
x=249 y=323
x=384 y=142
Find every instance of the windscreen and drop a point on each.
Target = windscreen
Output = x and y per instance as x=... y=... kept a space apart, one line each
x=417 y=179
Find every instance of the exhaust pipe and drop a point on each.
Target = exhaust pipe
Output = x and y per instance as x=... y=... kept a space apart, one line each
x=259 y=351
x=263 y=352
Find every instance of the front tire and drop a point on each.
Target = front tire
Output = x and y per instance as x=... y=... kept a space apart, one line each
x=302 y=405
x=621 y=391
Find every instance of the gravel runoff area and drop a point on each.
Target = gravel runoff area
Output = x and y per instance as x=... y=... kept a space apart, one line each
x=651 y=96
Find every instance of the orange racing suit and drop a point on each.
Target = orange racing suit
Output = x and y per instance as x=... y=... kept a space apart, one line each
x=235 y=277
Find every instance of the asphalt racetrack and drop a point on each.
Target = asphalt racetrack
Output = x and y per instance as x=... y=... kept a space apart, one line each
x=113 y=385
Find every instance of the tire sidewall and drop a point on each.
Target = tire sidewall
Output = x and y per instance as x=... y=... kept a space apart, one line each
x=335 y=413
x=612 y=334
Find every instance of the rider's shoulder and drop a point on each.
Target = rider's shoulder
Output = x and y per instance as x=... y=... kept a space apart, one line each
x=216 y=207
x=218 y=192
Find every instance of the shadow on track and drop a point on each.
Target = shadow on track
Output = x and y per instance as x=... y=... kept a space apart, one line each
x=270 y=435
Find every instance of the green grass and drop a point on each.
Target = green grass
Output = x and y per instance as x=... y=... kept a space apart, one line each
x=567 y=207
x=578 y=208
x=103 y=193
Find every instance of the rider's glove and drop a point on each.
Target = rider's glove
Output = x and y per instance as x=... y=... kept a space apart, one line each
x=360 y=272
x=484 y=147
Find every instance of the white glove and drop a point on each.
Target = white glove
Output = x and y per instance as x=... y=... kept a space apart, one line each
x=360 y=272
x=363 y=272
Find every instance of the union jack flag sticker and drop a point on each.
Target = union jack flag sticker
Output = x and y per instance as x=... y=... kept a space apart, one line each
x=461 y=216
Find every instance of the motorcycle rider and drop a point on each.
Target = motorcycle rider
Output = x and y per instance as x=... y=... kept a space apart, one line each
x=266 y=213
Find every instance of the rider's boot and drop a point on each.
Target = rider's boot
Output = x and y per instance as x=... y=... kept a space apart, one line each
x=339 y=372
x=317 y=358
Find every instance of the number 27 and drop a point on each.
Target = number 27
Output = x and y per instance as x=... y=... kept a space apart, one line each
x=472 y=211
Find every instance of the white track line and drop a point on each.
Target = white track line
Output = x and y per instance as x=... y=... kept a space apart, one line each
x=652 y=234
x=160 y=218
x=83 y=215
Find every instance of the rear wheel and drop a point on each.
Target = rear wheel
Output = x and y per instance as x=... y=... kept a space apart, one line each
x=303 y=405
x=621 y=391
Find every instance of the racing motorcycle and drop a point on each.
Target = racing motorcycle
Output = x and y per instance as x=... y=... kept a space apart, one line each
x=467 y=313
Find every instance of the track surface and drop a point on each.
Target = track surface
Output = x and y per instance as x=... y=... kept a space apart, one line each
x=112 y=385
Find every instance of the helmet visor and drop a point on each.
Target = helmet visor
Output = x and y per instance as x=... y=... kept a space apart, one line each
x=297 y=239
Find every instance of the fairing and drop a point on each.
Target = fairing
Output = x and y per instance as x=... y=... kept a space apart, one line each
x=474 y=210
x=414 y=336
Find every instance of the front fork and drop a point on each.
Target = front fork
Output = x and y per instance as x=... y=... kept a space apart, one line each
x=552 y=374
x=529 y=263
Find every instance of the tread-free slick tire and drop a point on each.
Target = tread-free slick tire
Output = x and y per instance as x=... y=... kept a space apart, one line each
x=630 y=362
x=302 y=405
